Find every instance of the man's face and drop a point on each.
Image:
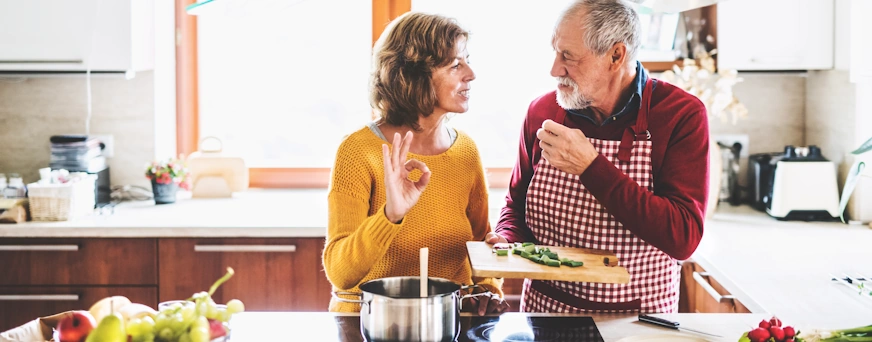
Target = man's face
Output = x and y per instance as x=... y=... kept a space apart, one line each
x=581 y=75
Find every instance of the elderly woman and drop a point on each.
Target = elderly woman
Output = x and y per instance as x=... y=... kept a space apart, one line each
x=380 y=213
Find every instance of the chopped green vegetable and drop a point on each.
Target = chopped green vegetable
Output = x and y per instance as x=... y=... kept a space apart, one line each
x=525 y=244
x=502 y=252
x=575 y=263
x=517 y=251
x=526 y=254
x=553 y=263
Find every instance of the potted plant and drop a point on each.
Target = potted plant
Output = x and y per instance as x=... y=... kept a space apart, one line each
x=853 y=175
x=166 y=178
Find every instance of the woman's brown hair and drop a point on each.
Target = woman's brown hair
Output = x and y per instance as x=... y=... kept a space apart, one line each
x=404 y=57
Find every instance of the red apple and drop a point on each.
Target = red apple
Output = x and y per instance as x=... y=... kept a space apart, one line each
x=76 y=326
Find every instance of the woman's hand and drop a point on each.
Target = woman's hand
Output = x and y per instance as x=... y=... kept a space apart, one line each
x=485 y=303
x=401 y=193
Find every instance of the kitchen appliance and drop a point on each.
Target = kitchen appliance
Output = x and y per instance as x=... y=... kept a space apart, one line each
x=798 y=184
x=392 y=309
x=507 y=327
x=213 y=174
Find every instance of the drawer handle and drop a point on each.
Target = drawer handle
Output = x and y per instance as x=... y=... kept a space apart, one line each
x=41 y=298
x=245 y=248
x=698 y=276
x=41 y=248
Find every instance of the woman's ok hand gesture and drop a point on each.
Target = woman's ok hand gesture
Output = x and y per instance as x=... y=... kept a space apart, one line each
x=401 y=193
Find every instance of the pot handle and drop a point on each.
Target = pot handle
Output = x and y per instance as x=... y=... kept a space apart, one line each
x=336 y=295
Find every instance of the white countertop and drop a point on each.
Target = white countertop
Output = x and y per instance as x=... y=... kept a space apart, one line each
x=251 y=213
x=783 y=268
x=314 y=326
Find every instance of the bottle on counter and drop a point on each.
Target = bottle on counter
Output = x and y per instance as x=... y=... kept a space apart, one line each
x=16 y=187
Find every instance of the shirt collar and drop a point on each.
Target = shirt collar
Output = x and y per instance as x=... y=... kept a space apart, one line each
x=632 y=105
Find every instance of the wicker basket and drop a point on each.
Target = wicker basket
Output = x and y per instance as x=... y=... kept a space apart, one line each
x=62 y=202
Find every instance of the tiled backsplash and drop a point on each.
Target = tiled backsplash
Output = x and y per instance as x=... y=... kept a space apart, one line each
x=33 y=108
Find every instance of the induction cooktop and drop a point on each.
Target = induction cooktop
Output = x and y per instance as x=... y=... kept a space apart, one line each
x=505 y=328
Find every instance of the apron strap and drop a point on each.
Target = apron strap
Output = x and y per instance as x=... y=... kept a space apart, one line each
x=640 y=130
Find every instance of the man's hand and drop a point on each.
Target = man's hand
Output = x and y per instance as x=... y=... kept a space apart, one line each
x=493 y=238
x=566 y=148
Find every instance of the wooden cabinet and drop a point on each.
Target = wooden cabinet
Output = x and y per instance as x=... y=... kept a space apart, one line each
x=47 y=276
x=775 y=34
x=270 y=274
x=21 y=304
x=78 y=262
x=701 y=293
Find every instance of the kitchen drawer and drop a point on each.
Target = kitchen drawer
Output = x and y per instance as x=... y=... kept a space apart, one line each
x=19 y=305
x=270 y=274
x=701 y=293
x=78 y=261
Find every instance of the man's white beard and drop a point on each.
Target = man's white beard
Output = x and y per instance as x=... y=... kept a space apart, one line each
x=573 y=100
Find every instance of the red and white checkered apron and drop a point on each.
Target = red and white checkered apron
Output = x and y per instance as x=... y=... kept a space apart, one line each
x=562 y=212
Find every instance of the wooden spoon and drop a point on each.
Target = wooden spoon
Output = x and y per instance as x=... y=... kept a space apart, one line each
x=424 y=256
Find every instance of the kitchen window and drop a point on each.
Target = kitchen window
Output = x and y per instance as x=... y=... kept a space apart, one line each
x=281 y=82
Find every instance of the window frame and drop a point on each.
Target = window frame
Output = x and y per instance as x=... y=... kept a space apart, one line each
x=187 y=101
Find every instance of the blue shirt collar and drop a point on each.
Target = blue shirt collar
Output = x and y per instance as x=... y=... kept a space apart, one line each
x=632 y=105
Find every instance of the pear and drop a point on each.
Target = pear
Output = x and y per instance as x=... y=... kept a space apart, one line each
x=110 y=329
x=107 y=305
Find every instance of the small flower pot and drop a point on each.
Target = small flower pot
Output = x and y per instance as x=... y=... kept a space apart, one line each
x=164 y=193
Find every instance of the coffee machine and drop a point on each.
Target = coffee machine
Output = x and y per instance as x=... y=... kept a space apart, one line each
x=797 y=184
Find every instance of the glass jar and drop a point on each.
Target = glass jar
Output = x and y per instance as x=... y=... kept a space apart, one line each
x=15 y=188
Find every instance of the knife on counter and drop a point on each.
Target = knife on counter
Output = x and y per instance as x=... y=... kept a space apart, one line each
x=669 y=324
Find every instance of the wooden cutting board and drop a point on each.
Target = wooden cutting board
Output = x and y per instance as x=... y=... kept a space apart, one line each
x=485 y=263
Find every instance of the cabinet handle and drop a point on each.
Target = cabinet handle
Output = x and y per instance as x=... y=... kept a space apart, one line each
x=41 y=61
x=698 y=276
x=40 y=298
x=245 y=248
x=41 y=248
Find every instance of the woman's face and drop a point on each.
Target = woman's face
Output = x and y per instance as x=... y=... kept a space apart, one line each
x=451 y=83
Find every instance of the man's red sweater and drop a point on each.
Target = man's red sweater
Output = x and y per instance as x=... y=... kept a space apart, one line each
x=671 y=218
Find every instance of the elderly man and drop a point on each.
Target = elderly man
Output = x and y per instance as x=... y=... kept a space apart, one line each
x=613 y=160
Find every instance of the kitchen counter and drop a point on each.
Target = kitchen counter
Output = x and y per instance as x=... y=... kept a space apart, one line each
x=307 y=326
x=784 y=268
x=251 y=213
x=772 y=267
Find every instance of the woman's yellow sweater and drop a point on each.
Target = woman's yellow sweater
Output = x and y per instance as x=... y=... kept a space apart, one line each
x=362 y=244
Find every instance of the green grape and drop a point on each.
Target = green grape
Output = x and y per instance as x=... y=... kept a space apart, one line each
x=177 y=322
x=200 y=334
x=200 y=322
x=162 y=322
x=235 y=306
x=134 y=327
x=185 y=338
x=147 y=326
x=166 y=334
x=189 y=314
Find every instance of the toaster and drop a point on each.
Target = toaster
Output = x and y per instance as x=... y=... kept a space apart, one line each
x=797 y=184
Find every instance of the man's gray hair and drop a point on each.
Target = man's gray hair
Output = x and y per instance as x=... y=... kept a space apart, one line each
x=608 y=22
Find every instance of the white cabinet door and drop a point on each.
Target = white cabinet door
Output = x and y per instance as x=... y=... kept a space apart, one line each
x=63 y=35
x=775 y=34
